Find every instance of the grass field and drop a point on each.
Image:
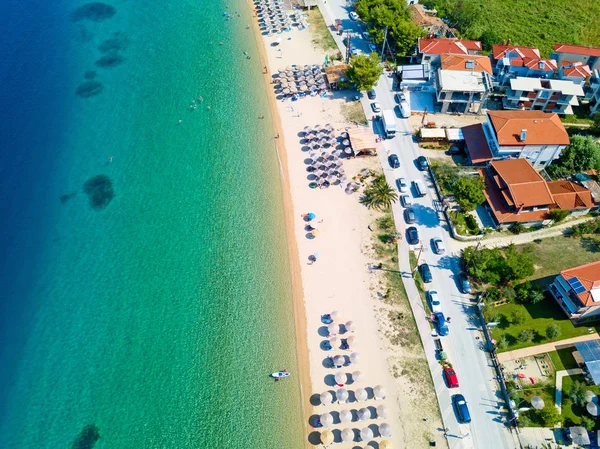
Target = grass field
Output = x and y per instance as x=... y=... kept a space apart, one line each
x=563 y=359
x=572 y=413
x=321 y=37
x=537 y=23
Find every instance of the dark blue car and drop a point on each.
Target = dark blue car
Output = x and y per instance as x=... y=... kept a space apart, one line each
x=440 y=323
x=394 y=161
x=462 y=411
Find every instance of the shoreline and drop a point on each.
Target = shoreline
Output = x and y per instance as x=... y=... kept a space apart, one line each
x=302 y=356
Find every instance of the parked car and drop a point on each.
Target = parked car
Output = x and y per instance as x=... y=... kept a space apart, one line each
x=438 y=245
x=434 y=301
x=465 y=285
x=373 y=48
x=402 y=185
x=353 y=15
x=371 y=94
x=462 y=411
x=394 y=161
x=375 y=106
x=425 y=272
x=451 y=378
x=356 y=52
x=366 y=36
x=405 y=200
x=440 y=323
x=422 y=163
x=399 y=97
x=409 y=215
x=412 y=236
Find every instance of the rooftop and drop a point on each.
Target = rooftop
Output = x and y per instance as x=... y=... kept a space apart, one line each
x=576 y=49
x=541 y=128
x=569 y=196
x=576 y=69
x=362 y=139
x=467 y=63
x=335 y=73
x=439 y=46
x=477 y=146
x=544 y=65
x=514 y=52
x=525 y=185
x=532 y=84
x=459 y=81
x=588 y=276
x=421 y=18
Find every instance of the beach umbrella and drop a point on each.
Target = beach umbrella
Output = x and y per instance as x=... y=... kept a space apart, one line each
x=334 y=315
x=351 y=340
x=361 y=394
x=385 y=430
x=343 y=178
x=347 y=435
x=356 y=375
x=364 y=414
x=332 y=178
x=348 y=150
x=345 y=416
x=385 y=444
x=537 y=402
x=354 y=357
x=592 y=408
x=342 y=395
x=326 y=419
x=327 y=437
x=339 y=360
x=332 y=329
x=307 y=129
x=349 y=326
x=317 y=255
x=590 y=396
x=379 y=392
x=366 y=434
x=326 y=398
x=332 y=340
x=303 y=88
x=346 y=142
x=340 y=378
x=328 y=127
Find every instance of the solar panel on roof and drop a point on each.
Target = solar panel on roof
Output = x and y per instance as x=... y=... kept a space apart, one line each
x=576 y=285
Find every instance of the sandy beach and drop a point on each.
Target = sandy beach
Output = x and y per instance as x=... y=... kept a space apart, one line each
x=341 y=278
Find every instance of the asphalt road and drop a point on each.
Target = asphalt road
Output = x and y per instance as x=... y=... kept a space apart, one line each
x=464 y=342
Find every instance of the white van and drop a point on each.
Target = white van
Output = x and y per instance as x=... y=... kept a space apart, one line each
x=419 y=187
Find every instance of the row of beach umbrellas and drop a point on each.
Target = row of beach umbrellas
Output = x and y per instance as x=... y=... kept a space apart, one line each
x=325 y=163
x=340 y=360
x=342 y=395
x=273 y=17
x=347 y=436
x=301 y=79
x=346 y=416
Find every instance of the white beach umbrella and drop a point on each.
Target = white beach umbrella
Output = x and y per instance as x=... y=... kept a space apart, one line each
x=354 y=357
x=342 y=395
x=592 y=408
x=307 y=129
x=351 y=340
x=332 y=178
x=348 y=150
x=361 y=394
x=385 y=430
x=356 y=375
x=339 y=360
x=334 y=342
x=347 y=435
x=326 y=398
x=327 y=437
x=340 y=378
x=333 y=329
x=326 y=419
x=364 y=414
x=385 y=444
x=379 y=392
x=345 y=415
x=589 y=396
x=366 y=434
x=537 y=403
x=382 y=411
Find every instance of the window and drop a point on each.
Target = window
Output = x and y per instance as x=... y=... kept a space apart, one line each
x=543 y=162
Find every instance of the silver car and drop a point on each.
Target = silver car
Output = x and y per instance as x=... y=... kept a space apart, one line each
x=434 y=301
x=402 y=185
x=405 y=200
x=438 y=245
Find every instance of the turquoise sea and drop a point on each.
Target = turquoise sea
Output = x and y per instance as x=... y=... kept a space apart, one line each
x=145 y=287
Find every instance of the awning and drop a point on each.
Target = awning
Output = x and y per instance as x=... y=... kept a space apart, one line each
x=362 y=139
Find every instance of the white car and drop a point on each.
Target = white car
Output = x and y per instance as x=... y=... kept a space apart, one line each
x=353 y=15
x=366 y=36
x=356 y=51
x=400 y=97
x=373 y=48
x=402 y=185
x=434 y=301
x=405 y=200
x=376 y=107
x=438 y=245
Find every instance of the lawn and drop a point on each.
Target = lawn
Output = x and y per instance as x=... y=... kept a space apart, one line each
x=572 y=413
x=537 y=23
x=562 y=359
x=537 y=318
x=354 y=112
x=321 y=36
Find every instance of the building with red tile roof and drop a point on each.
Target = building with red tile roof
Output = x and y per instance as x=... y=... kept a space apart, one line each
x=467 y=63
x=430 y=49
x=577 y=53
x=577 y=291
x=426 y=20
x=514 y=52
x=574 y=71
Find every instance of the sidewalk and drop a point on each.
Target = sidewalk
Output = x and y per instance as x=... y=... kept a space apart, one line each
x=540 y=349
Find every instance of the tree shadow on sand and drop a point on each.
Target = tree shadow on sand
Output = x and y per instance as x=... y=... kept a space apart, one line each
x=94 y=12
x=100 y=191
x=87 y=438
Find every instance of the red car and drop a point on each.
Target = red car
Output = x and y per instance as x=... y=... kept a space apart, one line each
x=451 y=378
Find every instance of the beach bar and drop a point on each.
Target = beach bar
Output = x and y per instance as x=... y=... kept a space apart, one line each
x=335 y=73
x=362 y=140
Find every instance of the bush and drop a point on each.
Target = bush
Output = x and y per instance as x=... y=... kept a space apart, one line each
x=525 y=336
x=549 y=416
x=577 y=394
x=498 y=265
x=468 y=192
x=502 y=342
x=516 y=228
x=508 y=293
x=471 y=222
x=557 y=215
x=552 y=332
x=587 y=227
x=518 y=317
x=588 y=423
x=524 y=420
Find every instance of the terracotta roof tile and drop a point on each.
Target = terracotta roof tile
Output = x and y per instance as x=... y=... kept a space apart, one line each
x=477 y=146
x=542 y=128
x=459 y=62
x=569 y=196
x=577 y=49
x=526 y=186
x=439 y=46
x=421 y=18
x=500 y=51
x=589 y=276
x=540 y=64
x=576 y=69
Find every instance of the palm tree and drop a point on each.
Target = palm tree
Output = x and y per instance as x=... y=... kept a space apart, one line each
x=379 y=195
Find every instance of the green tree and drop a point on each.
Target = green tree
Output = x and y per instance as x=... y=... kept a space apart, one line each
x=379 y=195
x=557 y=215
x=365 y=71
x=502 y=342
x=577 y=394
x=405 y=34
x=552 y=332
x=525 y=336
x=518 y=264
x=588 y=423
x=468 y=192
x=518 y=317
x=549 y=416
x=488 y=38
x=583 y=153
x=535 y=296
x=483 y=264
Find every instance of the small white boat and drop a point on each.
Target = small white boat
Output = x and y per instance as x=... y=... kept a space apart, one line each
x=280 y=374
